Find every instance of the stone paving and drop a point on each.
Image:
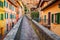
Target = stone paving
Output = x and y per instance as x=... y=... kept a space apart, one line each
x=27 y=32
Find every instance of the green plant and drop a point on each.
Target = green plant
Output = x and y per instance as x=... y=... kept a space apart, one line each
x=25 y=9
x=35 y=15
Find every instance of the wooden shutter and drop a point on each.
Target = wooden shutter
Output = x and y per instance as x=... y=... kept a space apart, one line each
x=58 y=18
x=1 y=16
x=45 y=18
x=52 y=18
x=5 y=16
x=1 y=4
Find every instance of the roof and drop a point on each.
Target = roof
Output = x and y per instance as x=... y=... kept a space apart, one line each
x=43 y=2
x=54 y=1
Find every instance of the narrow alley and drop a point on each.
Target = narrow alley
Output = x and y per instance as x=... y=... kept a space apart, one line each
x=29 y=19
x=27 y=32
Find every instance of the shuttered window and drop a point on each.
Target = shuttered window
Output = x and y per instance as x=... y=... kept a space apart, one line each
x=1 y=4
x=12 y=16
x=13 y=8
x=5 y=3
x=10 y=6
x=58 y=18
x=6 y=15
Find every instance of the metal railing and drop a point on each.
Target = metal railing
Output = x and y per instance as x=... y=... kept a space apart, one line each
x=14 y=31
x=42 y=32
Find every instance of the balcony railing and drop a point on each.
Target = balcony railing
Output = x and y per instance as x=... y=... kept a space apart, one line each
x=42 y=32
x=13 y=33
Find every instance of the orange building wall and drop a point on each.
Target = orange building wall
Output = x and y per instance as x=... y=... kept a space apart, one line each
x=53 y=9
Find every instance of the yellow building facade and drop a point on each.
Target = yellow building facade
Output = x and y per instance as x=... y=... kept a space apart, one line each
x=50 y=15
x=2 y=18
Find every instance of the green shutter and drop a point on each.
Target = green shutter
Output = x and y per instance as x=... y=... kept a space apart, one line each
x=52 y=18
x=11 y=16
x=45 y=18
x=4 y=2
x=1 y=4
x=58 y=18
x=7 y=15
x=1 y=16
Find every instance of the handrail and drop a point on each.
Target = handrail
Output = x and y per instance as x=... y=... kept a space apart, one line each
x=11 y=35
x=45 y=34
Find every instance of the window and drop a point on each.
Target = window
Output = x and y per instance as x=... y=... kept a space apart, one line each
x=9 y=6
x=11 y=16
x=52 y=18
x=57 y=18
x=12 y=8
x=1 y=4
x=6 y=15
x=5 y=3
x=45 y=18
